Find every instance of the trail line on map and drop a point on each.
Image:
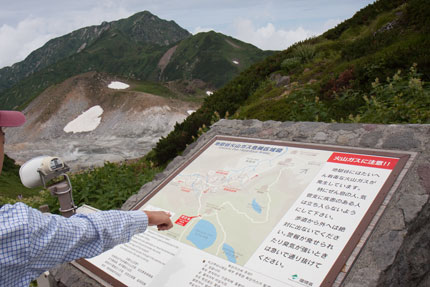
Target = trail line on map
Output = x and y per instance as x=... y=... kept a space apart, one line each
x=223 y=231
x=244 y=213
x=268 y=192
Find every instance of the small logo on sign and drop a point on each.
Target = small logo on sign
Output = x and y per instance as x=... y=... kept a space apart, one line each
x=295 y=276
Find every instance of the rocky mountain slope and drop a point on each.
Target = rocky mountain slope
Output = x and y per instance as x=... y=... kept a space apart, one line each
x=130 y=123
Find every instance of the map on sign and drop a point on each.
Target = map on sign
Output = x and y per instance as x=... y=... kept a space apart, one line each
x=230 y=198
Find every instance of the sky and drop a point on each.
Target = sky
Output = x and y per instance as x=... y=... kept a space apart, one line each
x=26 y=25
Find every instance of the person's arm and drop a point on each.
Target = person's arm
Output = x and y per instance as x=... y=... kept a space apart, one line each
x=38 y=242
x=54 y=239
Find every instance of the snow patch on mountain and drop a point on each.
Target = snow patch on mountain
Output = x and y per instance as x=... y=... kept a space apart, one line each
x=118 y=85
x=86 y=122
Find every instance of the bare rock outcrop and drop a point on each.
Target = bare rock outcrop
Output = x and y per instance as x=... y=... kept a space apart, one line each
x=131 y=123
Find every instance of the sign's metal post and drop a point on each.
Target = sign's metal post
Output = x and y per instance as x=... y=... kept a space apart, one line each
x=63 y=190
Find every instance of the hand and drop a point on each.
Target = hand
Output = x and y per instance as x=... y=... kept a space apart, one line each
x=159 y=218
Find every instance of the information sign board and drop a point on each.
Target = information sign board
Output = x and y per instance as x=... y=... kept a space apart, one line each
x=251 y=212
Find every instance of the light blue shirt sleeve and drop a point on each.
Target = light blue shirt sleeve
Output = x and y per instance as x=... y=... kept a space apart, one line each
x=32 y=242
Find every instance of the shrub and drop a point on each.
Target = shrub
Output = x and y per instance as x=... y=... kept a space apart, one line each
x=290 y=64
x=305 y=52
x=399 y=100
x=299 y=105
x=344 y=104
x=339 y=84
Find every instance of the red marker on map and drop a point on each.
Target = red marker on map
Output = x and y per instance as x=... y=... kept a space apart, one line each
x=183 y=219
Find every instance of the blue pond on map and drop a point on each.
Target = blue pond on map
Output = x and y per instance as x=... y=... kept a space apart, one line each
x=229 y=252
x=256 y=206
x=203 y=234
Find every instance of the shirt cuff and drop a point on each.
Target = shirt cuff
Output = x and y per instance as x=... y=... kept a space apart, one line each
x=140 y=218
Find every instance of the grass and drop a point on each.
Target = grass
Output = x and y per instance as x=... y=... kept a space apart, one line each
x=160 y=89
x=11 y=188
x=155 y=88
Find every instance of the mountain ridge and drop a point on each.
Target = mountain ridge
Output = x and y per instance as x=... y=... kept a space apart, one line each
x=75 y=41
x=130 y=48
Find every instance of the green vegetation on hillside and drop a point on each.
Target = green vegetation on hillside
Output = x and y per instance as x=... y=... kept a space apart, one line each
x=331 y=77
x=180 y=90
x=397 y=100
x=211 y=57
x=155 y=89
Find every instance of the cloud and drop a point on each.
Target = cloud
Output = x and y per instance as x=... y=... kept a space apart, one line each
x=201 y=29
x=18 y=41
x=269 y=37
x=331 y=23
